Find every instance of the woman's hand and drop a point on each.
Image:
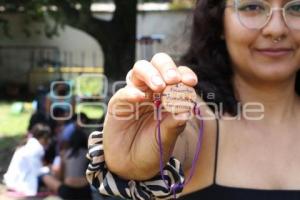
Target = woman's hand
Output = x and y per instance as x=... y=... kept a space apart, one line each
x=130 y=134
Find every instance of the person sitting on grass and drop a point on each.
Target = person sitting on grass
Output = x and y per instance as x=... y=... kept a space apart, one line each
x=26 y=164
x=71 y=183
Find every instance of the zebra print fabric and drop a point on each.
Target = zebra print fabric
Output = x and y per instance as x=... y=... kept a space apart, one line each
x=110 y=184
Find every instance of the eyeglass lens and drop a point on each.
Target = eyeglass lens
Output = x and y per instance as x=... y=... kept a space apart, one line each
x=254 y=14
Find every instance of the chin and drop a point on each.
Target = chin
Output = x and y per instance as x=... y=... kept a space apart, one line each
x=275 y=75
x=279 y=69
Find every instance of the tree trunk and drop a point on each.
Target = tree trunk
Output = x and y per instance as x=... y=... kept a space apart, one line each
x=117 y=37
x=119 y=44
x=119 y=56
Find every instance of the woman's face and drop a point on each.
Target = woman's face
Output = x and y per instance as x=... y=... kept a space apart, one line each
x=254 y=54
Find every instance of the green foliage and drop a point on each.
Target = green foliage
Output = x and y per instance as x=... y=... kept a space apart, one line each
x=4 y=27
x=53 y=14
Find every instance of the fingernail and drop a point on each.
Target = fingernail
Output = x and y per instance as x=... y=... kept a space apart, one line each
x=190 y=77
x=156 y=80
x=171 y=73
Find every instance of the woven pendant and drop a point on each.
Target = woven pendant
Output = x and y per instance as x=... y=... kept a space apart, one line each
x=178 y=98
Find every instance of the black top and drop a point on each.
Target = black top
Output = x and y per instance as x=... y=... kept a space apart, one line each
x=219 y=192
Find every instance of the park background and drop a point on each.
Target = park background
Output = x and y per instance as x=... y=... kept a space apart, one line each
x=44 y=41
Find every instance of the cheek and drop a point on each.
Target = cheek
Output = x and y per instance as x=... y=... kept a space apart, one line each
x=238 y=39
x=296 y=37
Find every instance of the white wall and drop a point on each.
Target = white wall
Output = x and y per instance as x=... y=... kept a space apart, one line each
x=69 y=40
x=76 y=49
x=172 y=25
x=15 y=67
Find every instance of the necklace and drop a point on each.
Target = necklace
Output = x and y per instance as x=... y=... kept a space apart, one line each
x=176 y=98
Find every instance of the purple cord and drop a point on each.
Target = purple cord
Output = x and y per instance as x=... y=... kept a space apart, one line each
x=196 y=156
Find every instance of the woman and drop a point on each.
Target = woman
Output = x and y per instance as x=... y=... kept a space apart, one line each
x=72 y=183
x=245 y=57
x=26 y=164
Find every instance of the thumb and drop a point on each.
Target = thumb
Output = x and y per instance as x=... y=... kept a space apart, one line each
x=171 y=126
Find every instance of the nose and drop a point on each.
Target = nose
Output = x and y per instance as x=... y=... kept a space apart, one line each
x=276 y=27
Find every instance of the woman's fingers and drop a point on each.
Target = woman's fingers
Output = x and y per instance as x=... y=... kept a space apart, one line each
x=166 y=67
x=188 y=77
x=131 y=124
x=155 y=75
x=144 y=74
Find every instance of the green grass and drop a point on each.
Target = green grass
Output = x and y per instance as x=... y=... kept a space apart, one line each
x=12 y=124
x=13 y=127
x=92 y=111
x=89 y=85
x=15 y=116
x=16 y=123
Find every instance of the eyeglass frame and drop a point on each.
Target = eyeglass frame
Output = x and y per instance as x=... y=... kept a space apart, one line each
x=282 y=9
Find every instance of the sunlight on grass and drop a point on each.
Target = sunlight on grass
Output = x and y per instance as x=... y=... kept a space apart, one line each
x=92 y=110
x=15 y=116
x=12 y=123
x=14 y=120
x=90 y=85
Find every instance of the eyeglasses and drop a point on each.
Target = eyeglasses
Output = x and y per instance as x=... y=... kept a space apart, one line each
x=255 y=14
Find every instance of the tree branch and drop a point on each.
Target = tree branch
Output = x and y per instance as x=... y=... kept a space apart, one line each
x=83 y=18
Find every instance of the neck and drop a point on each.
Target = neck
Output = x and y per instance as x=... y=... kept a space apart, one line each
x=279 y=100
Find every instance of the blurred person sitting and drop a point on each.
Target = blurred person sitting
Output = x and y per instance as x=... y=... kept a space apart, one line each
x=62 y=138
x=56 y=128
x=70 y=182
x=35 y=118
x=79 y=120
x=52 y=155
x=26 y=164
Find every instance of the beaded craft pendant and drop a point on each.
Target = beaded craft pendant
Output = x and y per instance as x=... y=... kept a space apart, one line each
x=178 y=98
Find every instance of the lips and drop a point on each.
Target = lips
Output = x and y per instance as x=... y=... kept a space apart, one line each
x=275 y=52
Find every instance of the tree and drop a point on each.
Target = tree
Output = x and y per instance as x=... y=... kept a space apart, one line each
x=116 y=37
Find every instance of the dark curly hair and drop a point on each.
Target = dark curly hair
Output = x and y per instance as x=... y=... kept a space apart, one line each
x=209 y=58
x=77 y=141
